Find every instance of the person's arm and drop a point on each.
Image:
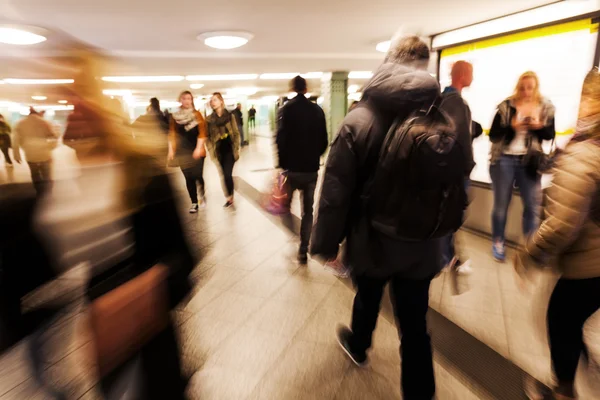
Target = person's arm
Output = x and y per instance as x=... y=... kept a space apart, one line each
x=546 y=132
x=236 y=139
x=16 y=144
x=498 y=131
x=200 y=150
x=569 y=200
x=280 y=138
x=323 y=135
x=339 y=183
x=172 y=137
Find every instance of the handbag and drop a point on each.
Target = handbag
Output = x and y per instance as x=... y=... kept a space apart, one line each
x=278 y=201
x=127 y=317
x=537 y=160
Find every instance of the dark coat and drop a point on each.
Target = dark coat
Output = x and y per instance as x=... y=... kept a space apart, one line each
x=301 y=135
x=394 y=91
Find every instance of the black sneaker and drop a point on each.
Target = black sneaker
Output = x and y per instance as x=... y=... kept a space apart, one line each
x=302 y=258
x=228 y=204
x=343 y=336
x=535 y=390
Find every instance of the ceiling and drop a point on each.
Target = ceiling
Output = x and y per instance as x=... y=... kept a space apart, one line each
x=152 y=37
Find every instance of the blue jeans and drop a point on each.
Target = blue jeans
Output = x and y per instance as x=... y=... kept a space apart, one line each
x=507 y=172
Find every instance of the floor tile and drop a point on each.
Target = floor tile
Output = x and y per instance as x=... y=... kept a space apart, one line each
x=221 y=383
x=232 y=307
x=281 y=318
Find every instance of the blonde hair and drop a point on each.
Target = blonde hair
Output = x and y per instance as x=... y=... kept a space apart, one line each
x=528 y=75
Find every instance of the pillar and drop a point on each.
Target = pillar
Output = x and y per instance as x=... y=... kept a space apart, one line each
x=334 y=90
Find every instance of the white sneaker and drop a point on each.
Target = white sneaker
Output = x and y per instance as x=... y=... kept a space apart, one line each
x=194 y=208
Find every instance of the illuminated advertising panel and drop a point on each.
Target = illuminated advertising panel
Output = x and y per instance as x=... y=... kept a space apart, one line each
x=561 y=55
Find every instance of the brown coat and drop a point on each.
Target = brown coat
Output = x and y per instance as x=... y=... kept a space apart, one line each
x=570 y=232
x=214 y=136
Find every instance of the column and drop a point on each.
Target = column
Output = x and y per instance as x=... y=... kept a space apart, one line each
x=334 y=90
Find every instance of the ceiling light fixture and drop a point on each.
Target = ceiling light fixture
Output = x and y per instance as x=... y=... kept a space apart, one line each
x=225 y=40
x=232 y=77
x=117 y=92
x=21 y=35
x=62 y=102
x=143 y=79
x=279 y=76
x=360 y=75
x=39 y=98
x=312 y=75
x=16 y=81
x=195 y=86
x=384 y=46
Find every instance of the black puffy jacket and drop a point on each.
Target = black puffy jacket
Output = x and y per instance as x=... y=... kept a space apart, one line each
x=394 y=90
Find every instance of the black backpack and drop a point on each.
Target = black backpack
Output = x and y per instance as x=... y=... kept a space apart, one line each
x=418 y=189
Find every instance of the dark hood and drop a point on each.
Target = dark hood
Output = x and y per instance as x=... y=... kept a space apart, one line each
x=395 y=87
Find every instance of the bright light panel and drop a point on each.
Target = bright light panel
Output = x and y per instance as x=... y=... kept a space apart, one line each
x=242 y=91
x=15 y=81
x=353 y=89
x=19 y=37
x=143 y=79
x=39 y=98
x=360 y=75
x=312 y=75
x=537 y=16
x=270 y=99
x=225 y=42
x=62 y=101
x=196 y=86
x=383 y=46
x=233 y=77
x=117 y=92
x=280 y=76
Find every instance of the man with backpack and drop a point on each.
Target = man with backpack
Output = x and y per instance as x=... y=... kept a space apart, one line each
x=393 y=188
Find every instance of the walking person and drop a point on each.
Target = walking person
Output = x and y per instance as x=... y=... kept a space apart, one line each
x=301 y=141
x=187 y=137
x=239 y=117
x=223 y=143
x=360 y=198
x=454 y=104
x=569 y=237
x=252 y=118
x=522 y=122
x=153 y=116
x=5 y=142
x=37 y=138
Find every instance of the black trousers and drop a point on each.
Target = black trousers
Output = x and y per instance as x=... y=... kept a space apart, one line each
x=251 y=122
x=306 y=183
x=194 y=180
x=6 y=155
x=410 y=299
x=40 y=175
x=572 y=303
x=226 y=161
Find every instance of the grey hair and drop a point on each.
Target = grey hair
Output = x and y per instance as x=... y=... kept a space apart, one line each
x=408 y=50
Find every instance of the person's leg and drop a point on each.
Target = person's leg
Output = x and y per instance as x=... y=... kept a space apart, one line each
x=37 y=177
x=190 y=183
x=571 y=304
x=308 y=199
x=199 y=176
x=227 y=161
x=530 y=190
x=411 y=303
x=365 y=312
x=502 y=174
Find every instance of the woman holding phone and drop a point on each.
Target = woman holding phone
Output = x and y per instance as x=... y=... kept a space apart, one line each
x=523 y=121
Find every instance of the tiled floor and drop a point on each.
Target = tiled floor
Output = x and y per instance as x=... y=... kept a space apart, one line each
x=258 y=326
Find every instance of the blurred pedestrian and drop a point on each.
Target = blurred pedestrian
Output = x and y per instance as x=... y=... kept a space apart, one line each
x=521 y=123
x=37 y=139
x=252 y=118
x=301 y=141
x=570 y=236
x=354 y=193
x=187 y=137
x=457 y=108
x=239 y=117
x=223 y=142
x=153 y=116
x=5 y=141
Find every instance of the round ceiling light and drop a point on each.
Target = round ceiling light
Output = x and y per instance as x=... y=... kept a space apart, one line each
x=383 y=46
x=225 y=40
x=21 y=35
